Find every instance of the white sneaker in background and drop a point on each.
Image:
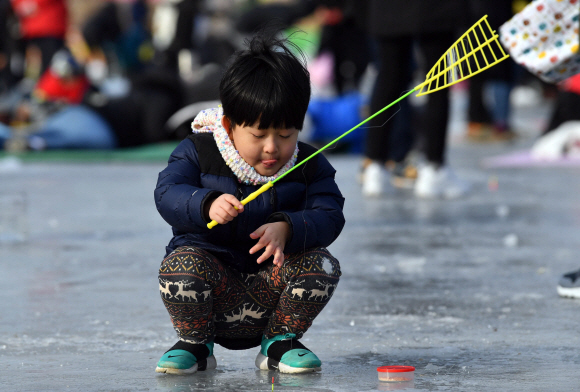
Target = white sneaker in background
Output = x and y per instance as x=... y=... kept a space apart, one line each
x=375 y=180
x=433 y=182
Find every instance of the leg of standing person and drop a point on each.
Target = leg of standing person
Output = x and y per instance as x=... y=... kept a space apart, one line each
x=402 y=159
x=492 y=124
x=489 y=121
x=479 y=121
x=187 y=11
x=437 y=111
x=435 y=179
x=392 y=80
x=48 y=46
x=501 y=108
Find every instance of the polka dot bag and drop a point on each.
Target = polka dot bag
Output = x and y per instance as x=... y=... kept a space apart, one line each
x=544 y=38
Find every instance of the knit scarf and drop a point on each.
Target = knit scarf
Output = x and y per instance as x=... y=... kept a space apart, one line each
x=209 y=121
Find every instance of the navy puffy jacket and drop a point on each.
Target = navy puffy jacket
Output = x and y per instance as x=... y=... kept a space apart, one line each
x=307 y=198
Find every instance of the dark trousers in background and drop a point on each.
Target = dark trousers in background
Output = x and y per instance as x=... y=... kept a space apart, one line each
x=394 y=76
x=209 y=301
x=48 y=46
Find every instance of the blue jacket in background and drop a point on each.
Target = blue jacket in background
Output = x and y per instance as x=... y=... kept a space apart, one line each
x=307 y=198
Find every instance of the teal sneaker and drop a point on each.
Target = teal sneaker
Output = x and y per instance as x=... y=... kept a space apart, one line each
x=286 y=354
x=187 y=358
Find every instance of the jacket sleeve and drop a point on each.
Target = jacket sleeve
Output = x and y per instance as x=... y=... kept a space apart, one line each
x=179 y=196
x=322 y=219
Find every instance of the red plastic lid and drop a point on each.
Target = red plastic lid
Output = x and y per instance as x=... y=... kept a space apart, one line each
x=395 y=369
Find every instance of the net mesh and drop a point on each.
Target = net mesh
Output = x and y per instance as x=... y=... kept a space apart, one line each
x=475 y=51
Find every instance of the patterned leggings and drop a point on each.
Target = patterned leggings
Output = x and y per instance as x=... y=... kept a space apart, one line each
x=206 y=299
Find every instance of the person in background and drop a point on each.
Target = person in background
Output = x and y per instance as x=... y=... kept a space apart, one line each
x=64 y=82
x=9 y=76
x=282 y=11
x=348 y=44
x=183 y=36
x=398 y=25
x=118 y=35
x=52 y=115
x=43 y=26
x=490 y=121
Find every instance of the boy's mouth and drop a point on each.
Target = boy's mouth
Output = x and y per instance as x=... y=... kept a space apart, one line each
x=269 y=162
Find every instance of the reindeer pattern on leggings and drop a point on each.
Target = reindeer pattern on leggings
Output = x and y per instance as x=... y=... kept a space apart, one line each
x=205 y=298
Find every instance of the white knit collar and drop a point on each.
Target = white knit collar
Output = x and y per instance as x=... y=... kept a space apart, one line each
x=209 y=121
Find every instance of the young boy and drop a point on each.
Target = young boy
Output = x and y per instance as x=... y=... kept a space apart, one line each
x=263 y=274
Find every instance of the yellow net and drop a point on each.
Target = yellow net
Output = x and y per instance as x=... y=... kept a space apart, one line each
x=475 y=51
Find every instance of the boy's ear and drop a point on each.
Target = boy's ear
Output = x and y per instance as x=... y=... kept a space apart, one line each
x=226 y=123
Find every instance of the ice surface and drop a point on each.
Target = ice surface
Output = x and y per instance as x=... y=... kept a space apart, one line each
x=425 y=283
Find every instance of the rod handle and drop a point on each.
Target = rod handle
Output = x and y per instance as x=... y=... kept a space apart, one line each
x=248 y=199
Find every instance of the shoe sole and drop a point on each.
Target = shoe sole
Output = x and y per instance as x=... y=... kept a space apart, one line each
x=206 y=364
x=569 y=292
x=265 y=363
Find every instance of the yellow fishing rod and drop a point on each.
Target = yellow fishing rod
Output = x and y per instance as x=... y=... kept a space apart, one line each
x=475 y=51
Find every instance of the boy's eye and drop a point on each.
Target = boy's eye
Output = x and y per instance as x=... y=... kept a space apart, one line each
x=257 y=136
x=285 y=137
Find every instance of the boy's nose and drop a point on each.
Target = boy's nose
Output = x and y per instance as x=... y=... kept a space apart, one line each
x=270 y=147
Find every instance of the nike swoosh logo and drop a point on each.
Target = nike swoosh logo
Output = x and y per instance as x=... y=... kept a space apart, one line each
x=301 y=355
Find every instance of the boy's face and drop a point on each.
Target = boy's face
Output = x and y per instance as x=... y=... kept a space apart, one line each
x=266 y=150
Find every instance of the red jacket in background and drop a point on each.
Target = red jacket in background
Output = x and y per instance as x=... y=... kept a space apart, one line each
x=50 y=87
x=41 y=18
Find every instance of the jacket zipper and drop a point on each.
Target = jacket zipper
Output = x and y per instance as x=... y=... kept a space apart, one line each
x=273 y=199
x=234 y=224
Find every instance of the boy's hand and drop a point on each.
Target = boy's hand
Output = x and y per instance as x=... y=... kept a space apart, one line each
x=222 y=209
x=273 y=236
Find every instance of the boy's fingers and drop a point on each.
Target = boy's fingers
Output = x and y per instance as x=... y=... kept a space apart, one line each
x=222 y=219
x=231 y=212
x=219 y=220
x=267 y=253
x=258 y=232
x=231 y=199
x=229 y=209
x=278 y=257
x=222 y=215
x=258 y=246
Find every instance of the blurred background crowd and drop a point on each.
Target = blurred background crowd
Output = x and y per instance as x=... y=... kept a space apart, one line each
x=96 y=74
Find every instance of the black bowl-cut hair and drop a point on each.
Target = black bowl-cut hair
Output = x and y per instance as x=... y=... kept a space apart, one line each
x=266 y=84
